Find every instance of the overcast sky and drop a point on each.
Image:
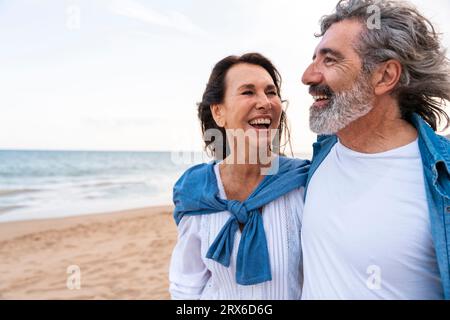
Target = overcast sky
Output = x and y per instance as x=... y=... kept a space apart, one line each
x=126 y=74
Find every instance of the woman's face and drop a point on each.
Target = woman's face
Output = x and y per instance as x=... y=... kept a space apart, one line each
x=251 y=102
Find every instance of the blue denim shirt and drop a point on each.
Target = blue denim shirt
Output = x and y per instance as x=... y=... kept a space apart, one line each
x=435 y=153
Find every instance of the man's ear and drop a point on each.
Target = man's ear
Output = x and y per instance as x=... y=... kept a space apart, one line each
x=386 y=77
x=218 y=114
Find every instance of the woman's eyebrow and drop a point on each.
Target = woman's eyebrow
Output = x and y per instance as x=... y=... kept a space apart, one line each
x=252 y=86
x=247 y=86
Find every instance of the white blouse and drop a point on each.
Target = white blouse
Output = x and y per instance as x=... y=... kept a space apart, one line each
x=193 y=276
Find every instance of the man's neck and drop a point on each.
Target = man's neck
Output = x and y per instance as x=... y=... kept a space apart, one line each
x=381 y=130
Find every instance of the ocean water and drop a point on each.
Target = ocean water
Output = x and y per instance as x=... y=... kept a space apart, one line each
x=48 y=184
x=51 y=184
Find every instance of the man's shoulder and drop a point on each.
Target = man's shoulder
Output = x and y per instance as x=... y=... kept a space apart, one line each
x=325 y=138
x=445 y=142
x=293 y=162
x=324 y=143
x=437 y=146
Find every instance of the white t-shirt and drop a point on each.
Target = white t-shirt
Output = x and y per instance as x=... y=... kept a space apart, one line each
x=366 y=231
x=193 y=276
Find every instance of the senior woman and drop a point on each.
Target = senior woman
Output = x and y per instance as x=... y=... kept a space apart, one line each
x=238 y=221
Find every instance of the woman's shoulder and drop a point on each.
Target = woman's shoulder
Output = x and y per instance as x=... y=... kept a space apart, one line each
x=196 y=183
x=198 y=169
x=194 y=174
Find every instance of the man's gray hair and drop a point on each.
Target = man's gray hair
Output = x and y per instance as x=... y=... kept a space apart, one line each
x=405 y=35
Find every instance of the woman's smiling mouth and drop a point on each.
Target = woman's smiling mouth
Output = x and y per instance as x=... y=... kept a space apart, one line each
x=260 y=123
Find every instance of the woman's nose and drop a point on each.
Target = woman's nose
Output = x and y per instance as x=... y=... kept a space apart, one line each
x=312 y=76
x=263 y=102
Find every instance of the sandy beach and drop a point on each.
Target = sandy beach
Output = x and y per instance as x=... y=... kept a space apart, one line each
x=120 y=255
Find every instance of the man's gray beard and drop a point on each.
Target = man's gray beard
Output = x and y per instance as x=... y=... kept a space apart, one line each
x=344 y=108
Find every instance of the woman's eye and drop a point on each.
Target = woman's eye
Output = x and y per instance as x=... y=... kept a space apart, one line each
x=272 y=93
x=247 y=92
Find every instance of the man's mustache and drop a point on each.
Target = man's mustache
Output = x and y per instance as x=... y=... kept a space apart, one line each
x=320 y=90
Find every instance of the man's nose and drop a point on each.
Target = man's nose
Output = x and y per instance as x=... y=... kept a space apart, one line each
x=312 y=76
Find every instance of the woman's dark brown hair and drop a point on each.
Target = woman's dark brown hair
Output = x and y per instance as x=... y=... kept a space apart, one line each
x=215 y=92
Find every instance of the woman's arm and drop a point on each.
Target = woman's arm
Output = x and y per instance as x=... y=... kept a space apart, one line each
x=188 y=274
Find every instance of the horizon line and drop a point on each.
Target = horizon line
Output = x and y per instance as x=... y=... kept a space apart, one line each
x=94 y=150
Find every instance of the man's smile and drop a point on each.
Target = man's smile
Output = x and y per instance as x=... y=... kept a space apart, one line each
x=321 y=101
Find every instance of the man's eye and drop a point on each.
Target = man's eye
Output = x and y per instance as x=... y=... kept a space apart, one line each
x=247 y=92
x=329 y=60
x=272 y=93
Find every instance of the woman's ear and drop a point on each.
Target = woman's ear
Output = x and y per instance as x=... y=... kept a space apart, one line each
x=387 y=76
x=218 y=114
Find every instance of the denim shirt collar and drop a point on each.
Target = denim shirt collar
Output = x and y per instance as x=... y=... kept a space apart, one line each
x=435 y=154
x=437 y=149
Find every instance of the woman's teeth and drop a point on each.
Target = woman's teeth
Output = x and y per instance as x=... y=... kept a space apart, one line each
x=260 y=122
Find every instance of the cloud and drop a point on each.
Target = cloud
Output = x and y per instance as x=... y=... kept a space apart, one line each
x=171 y=20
